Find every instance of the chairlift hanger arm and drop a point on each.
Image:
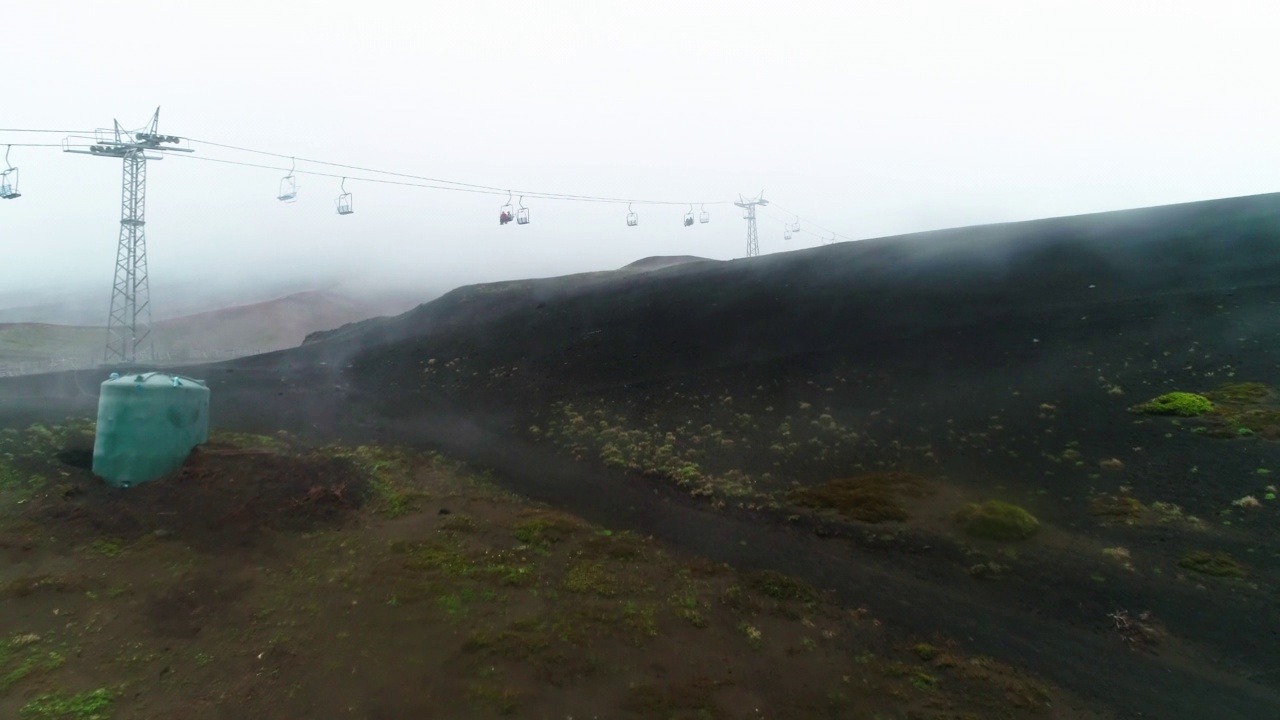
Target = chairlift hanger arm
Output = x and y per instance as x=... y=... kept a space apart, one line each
x=114 y=154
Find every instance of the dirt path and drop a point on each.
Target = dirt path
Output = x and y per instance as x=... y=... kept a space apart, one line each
x=1090 y=663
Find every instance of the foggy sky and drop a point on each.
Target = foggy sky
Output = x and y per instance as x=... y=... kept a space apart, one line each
x=869 y=118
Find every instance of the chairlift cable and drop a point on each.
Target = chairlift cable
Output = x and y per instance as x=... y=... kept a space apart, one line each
x=425 y=182
x=810 y=222
x=56 y=132
x=402 y=183
x=495 y=189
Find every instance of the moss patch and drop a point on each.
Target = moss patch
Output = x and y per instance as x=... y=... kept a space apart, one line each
x=1123 y=508
x=995 y=520
x=93 y=705
x=1217 y=564
x=1182 y=404
x=1243 y=393
x=925 y=651
x=781 y=587
x=542 y=529
x=873 y=498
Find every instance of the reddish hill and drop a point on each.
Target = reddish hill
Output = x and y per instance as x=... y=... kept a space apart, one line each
x=266 y=326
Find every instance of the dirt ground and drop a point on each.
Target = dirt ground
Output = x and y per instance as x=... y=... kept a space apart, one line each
x=271 y=579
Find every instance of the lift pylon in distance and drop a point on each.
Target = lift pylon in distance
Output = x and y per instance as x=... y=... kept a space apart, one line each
x=748 y=206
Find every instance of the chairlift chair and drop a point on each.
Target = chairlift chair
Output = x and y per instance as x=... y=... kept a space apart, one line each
x=344 y=200
x=289 y=185
x=9 y=179
x=506 y=213
x=786 y=232
x=632 y=219
x=795 y=226
x=9 y=184
x=522 y=215
x=688 y=217
x=704 y=216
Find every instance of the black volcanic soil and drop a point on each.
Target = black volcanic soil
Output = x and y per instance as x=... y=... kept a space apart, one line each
x=974 y=358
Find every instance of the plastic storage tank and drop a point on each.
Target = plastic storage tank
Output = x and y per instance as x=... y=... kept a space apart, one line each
x=147 y=426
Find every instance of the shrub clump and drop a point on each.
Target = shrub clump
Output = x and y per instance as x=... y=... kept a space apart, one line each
x=995 y=520
x=1182 y=404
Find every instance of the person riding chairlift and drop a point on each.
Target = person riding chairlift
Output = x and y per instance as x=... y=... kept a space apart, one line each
x=504 y=218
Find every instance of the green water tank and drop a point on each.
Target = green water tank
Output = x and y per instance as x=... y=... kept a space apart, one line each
x=147 y=426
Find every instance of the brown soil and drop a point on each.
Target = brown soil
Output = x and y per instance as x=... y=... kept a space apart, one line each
x=255 y=582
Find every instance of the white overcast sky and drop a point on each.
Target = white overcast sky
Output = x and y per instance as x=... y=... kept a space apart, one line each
x=868 y=118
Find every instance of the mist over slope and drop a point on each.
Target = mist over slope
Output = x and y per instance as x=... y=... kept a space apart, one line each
x=868 y=298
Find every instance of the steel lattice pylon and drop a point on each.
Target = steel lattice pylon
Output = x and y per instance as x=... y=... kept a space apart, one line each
x=749 y=206
x=129 y=322
x=129 y=325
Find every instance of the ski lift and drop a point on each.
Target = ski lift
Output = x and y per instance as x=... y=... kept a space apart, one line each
x=704 y=216
x=786 y=232
x=9 y=179
x=522 y=215
x=632 y=219
x=504 y=213
x=289 y=184
x=688 y=217
x=344 y=200
x=795 y=226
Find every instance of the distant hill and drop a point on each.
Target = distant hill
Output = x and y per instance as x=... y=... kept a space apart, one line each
x=27 y=347
x=657 y=262
x=78 y=304
x=265 y=326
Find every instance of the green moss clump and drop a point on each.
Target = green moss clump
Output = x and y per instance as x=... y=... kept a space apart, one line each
x=995 y=520
x=1182 y=404
x=1217 y=564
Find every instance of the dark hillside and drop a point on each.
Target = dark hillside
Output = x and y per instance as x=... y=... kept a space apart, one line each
x=699 y=402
